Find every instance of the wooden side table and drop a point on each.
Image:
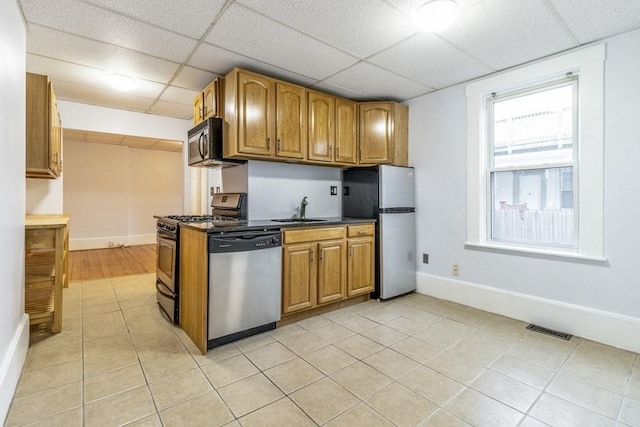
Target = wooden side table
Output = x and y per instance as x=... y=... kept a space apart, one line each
x=46 y=252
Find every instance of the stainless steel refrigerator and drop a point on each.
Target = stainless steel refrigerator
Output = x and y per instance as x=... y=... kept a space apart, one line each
x=386 y=193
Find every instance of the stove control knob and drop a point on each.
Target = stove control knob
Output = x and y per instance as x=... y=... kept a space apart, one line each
x=274 y=241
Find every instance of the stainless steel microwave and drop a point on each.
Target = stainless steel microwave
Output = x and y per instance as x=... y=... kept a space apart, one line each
x=205 y=145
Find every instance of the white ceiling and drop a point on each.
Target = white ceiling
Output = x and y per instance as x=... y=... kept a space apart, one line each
x=360 y=49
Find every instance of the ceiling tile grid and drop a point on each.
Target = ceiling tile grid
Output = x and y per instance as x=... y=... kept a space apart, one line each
x=188 y=17
x=66 y=47
x=364 y=50
x=101 y=25
x=360 y=28
x=505 y=33
x=427 y=59
x=250 y=34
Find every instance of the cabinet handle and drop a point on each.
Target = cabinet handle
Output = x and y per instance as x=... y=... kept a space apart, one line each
x=268 y=144
x=362 y=232
x=311 y=258
x=321 y=256
x=337 y=152
x=351 y=251
x=204 y=112
x=278 y=146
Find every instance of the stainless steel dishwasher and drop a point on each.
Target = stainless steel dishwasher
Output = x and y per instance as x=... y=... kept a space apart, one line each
x=245 y=286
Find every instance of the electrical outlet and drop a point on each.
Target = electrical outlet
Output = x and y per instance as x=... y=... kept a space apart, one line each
x=425 y=258
x=334 y=190
x=455 y=270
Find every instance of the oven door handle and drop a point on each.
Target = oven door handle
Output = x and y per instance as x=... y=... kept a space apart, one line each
x=167 y=236
x=159 y=285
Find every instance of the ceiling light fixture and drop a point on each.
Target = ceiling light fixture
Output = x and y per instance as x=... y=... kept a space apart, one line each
x=436 y=15
x=121 y=82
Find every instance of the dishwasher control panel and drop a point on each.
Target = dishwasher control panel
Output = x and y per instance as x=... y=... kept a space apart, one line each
x=244 y=241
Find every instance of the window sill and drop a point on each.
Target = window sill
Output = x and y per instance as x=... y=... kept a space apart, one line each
x=545 y=253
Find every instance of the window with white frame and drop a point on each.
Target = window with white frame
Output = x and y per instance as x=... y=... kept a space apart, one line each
x=532 y=151
x=534 y=154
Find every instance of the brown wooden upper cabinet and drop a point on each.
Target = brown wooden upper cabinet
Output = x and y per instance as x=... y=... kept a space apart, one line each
x=383 y=132
x=209 y=102
x=321 y=123
x=249 y=115
x=43 y=129
x=269 y=119
x=346 y=131
x=291 y=120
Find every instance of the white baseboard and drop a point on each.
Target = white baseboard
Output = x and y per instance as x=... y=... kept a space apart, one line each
x=602 y=326
x=11 y=365
x=111 y=241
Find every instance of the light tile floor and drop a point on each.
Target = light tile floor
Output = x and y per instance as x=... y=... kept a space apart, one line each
x=413 y=361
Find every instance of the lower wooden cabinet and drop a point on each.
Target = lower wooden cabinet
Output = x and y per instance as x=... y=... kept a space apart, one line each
x=46 y=249
x=323 y=265
x=360 y=279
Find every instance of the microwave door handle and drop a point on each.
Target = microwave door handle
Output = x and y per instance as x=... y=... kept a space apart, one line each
x=201 y=145
x=205 y=145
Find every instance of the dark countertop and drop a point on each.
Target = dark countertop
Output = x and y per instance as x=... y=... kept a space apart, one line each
x=265 y=224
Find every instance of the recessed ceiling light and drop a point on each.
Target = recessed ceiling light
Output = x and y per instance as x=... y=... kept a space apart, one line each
x=436 y=15
x=122 y=82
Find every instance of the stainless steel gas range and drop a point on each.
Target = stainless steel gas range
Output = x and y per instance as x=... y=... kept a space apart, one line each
x=228 y=210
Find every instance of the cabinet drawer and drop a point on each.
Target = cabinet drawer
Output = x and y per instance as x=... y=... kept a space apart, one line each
x=361 y=230
x=313 y=234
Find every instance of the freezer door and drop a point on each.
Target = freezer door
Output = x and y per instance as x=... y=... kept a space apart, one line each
x=397 y=188
x=397 y=254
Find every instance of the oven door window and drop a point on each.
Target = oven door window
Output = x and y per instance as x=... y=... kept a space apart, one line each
x=166 y=261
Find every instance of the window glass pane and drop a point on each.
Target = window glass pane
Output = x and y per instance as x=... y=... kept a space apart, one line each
x=533 y=206
x=535 y=128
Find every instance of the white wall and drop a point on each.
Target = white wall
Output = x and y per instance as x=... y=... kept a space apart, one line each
x=112 y=193
x=276 y=189
x=14 y=323
x=44 y=196
x=579 y=297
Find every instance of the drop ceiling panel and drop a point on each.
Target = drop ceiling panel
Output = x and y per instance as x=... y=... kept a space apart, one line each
x=179 y=95
x=88 y=95
x=85 y=76
x=261 y=38
x=188 y=17
x=66 y=47
x=359 y=28
x=339 y=91
x=221 y=61
x=504 y=33
x=375 y=82
x=101 y=25
x=431 y=61
x=180 y=111
x=594 y=19
x=193 y=78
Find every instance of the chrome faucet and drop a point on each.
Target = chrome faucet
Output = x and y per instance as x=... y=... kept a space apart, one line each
x=303 y=207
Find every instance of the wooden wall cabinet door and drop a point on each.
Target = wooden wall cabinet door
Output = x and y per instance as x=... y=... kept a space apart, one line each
x=383 y=133
x=255 y=99
x=43 y=129
x=198 y=109
x=321 y=124
x=299 y=277
x=332 y=271
x=346 y=134
x=291 y=121
x=376 y=128
x=212 y=99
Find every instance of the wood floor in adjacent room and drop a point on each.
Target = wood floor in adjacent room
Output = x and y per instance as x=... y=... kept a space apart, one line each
x=112 y=262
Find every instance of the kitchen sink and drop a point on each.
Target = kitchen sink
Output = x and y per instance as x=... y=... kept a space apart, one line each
x=298 y=220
